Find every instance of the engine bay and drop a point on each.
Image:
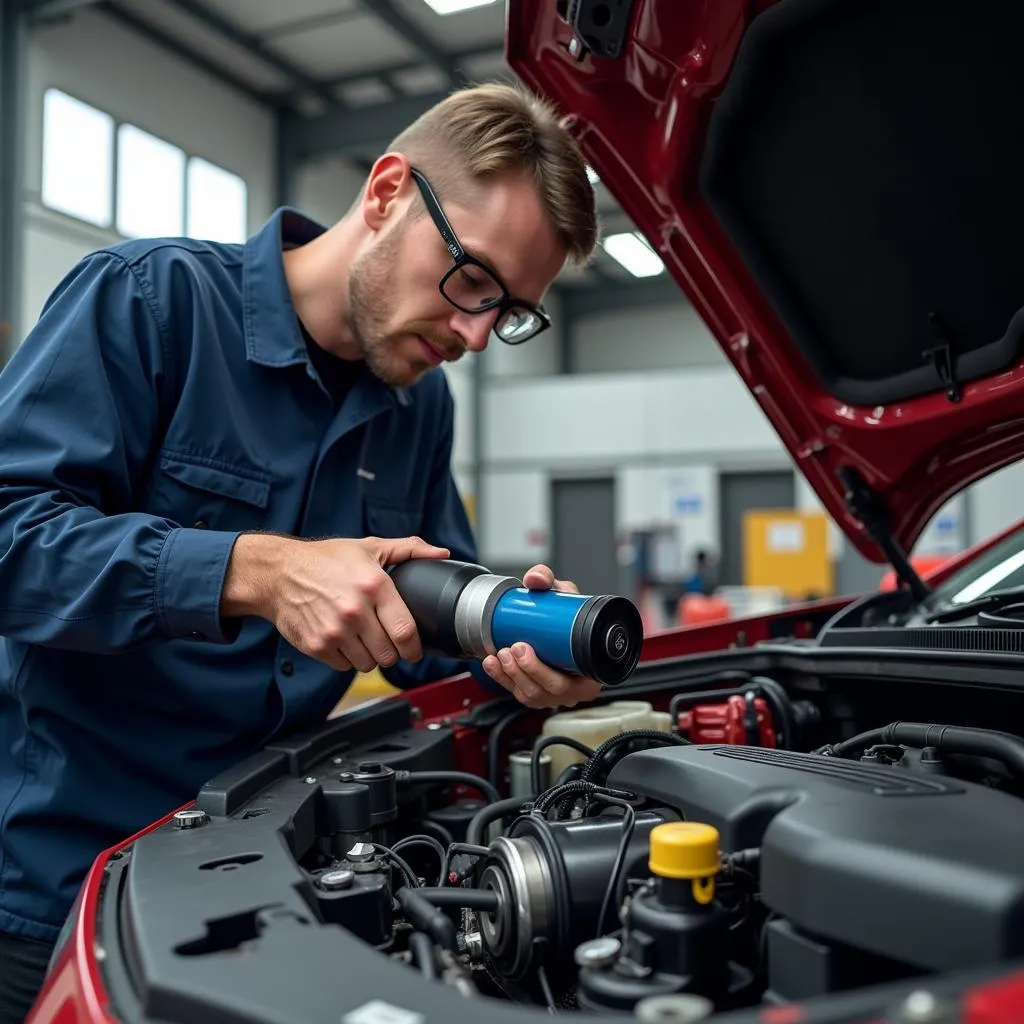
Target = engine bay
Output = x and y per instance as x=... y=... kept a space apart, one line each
x=713 y=841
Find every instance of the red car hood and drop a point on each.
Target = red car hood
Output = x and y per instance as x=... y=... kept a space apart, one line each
x=838 y=187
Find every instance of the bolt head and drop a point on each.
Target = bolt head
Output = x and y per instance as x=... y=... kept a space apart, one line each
x=311 y=780
x=597 y=952
x=191 y=818
x=334 y=881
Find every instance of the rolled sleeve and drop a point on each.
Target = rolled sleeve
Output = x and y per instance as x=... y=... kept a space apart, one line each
x=189 y=584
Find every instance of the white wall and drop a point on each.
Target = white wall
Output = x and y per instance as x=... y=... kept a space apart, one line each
x=101 y=63
x=643 y=339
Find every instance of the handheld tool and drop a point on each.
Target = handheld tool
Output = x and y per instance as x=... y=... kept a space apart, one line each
x=463 y=610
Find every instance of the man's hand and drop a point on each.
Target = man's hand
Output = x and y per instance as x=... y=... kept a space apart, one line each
x=522 y=673
x=330 y=599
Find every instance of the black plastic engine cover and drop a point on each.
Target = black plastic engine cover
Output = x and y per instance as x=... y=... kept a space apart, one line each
x=923 y=869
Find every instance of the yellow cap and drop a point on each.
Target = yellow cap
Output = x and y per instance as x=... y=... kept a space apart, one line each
x=684 y=849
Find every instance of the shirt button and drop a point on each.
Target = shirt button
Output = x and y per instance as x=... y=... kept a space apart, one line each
x=287 y=668
x=200 y=524
x=196 y=635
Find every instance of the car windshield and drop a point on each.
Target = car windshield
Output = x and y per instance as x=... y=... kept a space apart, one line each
x=1000 y=568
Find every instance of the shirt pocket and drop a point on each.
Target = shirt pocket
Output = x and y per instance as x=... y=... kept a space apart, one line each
x=392 y=520
x=209 y=494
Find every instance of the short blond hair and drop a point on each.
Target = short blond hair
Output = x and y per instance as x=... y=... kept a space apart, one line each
x=492 y=130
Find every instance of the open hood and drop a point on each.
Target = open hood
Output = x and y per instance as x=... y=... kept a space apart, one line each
x=838 y=187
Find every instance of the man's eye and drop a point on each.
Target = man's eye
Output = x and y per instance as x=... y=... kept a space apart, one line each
x=472 y=279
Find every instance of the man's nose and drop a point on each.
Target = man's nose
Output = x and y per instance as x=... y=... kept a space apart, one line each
x=474 y=328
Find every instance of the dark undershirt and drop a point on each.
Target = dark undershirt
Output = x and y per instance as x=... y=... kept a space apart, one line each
x=336 y=375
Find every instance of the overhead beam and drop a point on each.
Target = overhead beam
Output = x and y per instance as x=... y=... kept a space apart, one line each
x=389 y=71
x=13 y=101
x=168 y=42
x=254 y=44
x=406 y=29
x=41 y=10
x=352 y=132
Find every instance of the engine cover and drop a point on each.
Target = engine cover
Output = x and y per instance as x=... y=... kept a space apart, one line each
x=923 y=869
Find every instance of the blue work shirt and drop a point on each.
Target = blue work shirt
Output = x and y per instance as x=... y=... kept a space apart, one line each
x=165 y=402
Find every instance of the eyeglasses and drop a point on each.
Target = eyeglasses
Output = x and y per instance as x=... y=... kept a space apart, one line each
x=471 y=286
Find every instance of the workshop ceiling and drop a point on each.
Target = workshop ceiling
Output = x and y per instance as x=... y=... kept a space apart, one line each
x=351 y=71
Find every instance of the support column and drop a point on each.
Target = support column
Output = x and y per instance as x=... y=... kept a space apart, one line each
x=13 y=60
x=479 y=449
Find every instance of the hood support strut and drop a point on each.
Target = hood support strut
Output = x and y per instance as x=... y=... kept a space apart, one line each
x=866 y=506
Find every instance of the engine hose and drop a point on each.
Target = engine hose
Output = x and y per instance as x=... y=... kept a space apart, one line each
x=422 y=914
x=422 y=950
x=472 y=899
x=452 y=779
x=782 y=710
x=596 y=762
x=483 y=818
x=542 y=744
x=949 y=739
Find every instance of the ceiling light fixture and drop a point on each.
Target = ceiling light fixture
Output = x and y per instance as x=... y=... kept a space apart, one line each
x=456 y=6
x=631 y=250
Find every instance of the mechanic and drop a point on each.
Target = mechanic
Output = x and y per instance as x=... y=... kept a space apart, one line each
x=210 y=452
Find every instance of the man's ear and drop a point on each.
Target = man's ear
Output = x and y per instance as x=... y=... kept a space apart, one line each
x=387 y=191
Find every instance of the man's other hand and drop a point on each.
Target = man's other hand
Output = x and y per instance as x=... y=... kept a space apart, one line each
x=523 y=674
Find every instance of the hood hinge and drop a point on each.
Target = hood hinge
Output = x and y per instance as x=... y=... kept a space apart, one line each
x=942 y=359
x=865 y=504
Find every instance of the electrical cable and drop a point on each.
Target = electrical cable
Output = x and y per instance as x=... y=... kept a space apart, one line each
x=398 y=862
x=552 y=741
x=464 y=848
x=443 y=835
x=545 y=987
x=595 y=767
x=428 y=841
x=628 y=824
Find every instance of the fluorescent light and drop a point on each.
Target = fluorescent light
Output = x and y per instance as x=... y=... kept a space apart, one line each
x=592 y=175
x=455 y=6
x=633 y=252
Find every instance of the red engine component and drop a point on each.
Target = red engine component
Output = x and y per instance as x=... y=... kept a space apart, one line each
x=732 y=721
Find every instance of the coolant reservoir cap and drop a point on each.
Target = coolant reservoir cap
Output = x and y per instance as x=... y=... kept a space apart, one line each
x=684 y=849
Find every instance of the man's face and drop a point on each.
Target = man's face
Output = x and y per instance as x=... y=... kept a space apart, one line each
x=401 y=322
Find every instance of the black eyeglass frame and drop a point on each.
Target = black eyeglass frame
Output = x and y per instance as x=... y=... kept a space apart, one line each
x=506 y=301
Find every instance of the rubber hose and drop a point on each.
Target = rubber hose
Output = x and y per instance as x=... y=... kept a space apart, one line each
x=782 y=709
x=422 y=950
x=452 y=778
x=472 y=899
x=949 y=739
x=423 y=915
x=480 y=821
x=595 y=764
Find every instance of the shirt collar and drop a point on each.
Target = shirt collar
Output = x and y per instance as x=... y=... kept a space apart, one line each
x=272 y=333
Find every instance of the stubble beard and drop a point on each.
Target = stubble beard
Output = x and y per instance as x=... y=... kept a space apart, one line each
x=370 y=287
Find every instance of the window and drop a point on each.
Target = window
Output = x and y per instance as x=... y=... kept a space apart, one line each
x=217 y=203
x=150 y=185
x=78 y=159
x=153 y=189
